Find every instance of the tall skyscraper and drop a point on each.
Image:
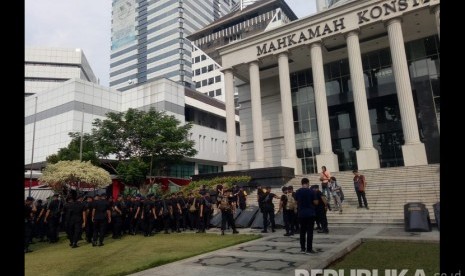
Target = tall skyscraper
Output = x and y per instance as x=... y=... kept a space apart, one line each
x=148 y=38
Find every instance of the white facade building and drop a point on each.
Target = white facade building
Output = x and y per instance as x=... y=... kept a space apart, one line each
x=355 y=86
x=60 y=111
x=46 y=68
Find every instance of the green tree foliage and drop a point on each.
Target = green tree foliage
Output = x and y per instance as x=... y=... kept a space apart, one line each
x=71 y=152
x=146 y=141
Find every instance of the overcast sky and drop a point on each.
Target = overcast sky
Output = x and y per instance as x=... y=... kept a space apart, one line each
x=85 y=24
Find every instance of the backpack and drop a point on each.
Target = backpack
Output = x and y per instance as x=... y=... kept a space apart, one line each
x=224 y=204
x=291 y=204
x=192 y=209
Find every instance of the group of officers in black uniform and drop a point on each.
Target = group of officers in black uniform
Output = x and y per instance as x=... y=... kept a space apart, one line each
x=95 y=216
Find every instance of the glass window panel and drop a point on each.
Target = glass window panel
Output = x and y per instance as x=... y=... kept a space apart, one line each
x=314 y=127
x=295 y=113
x=385 y=57
x=343 y=121
x=346 y=85
x=430 y=46
x=332 y=87
x=421 y=68
x=417 y=49
x=301 y=79
x=374 y=60
x=305 y=126
x=432 y=69
x=297 y=128
x=309 y=76
x=365 y=62
x=302 y=95
x=293 y=80
x=327 y=71
x=373 y=116
x=335 y=69
x=304 y=112
x=385 y=76
x=345 y=70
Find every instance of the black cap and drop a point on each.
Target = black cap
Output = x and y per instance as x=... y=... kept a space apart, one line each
x=30 y=198
x=39 y=201
x=315 y=186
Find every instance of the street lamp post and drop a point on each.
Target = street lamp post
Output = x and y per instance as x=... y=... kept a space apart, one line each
x=32 y=151
x=80 y=146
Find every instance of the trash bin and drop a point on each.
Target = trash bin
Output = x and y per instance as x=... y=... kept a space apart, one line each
x=416 y=217
x=436 y=212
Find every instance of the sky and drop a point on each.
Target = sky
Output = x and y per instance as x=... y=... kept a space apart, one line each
x=86 y=24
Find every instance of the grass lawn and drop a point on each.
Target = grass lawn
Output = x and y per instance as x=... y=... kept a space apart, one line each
x=120 y=257
x=383 y=255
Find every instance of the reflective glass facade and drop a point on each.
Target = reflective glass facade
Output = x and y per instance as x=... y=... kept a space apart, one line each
x=423 y=57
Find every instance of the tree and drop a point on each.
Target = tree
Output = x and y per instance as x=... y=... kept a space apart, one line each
x=66 y=175
x=72 y=151
x=142 y=142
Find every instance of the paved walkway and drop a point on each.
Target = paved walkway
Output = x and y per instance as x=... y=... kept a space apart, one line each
x=274 y=254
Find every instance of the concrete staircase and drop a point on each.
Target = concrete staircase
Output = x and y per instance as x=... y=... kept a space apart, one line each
x=387 y=191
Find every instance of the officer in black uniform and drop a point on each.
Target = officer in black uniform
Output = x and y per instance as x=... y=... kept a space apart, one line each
x=100 y=216
x=39 y=221
x=184 y=215
x=76 y=221
x=52 y=218
x=228 y=208
x=206 y=209
x=148 y=215
x=320 y=210
x=89 y=227
x=166 y=213
x=137 y=210
x=177 y=213
x=193 y=208
x=268 y=209
x=29 y=210
x=117 y=217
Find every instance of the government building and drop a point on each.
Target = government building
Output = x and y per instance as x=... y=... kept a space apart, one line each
x=354 y=86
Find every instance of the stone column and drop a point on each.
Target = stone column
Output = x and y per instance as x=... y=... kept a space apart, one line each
x=413 y=150
x=232 y=164
x=326 y=157
x=290 y=159
x=367 y=156
x=255 y=95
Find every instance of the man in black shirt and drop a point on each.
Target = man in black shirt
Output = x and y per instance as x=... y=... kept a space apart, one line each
x=89 y=228
x=320 y=209
x=306 y=201
x=76 y=220
x=100 y=216
x=242 y=198
x=52 y=218
x=268 y=209
x=117 y=217
x=206 y=209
